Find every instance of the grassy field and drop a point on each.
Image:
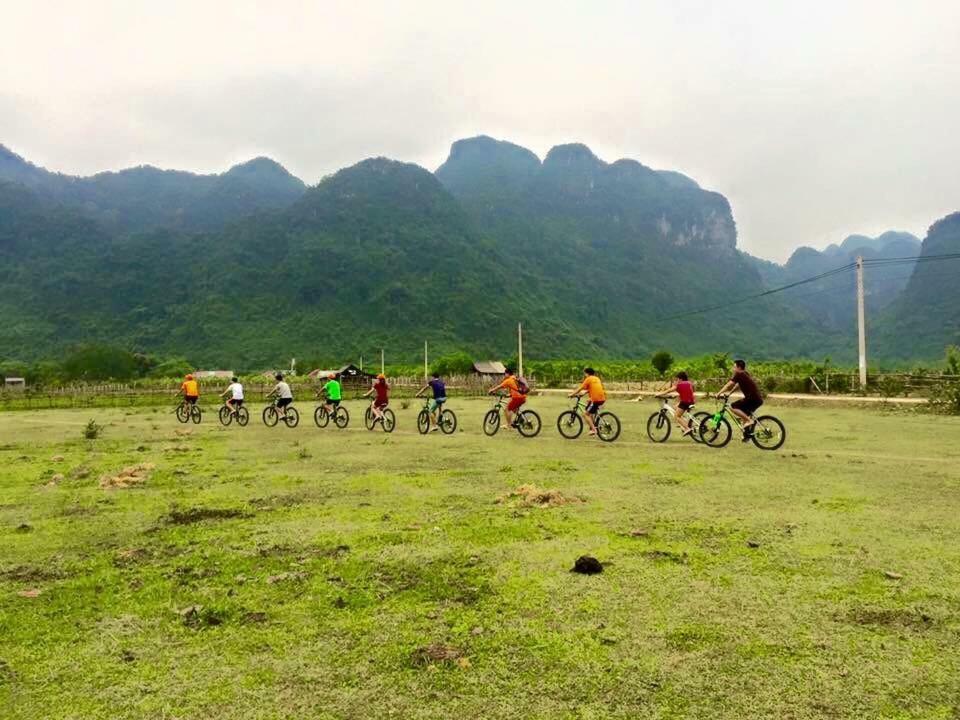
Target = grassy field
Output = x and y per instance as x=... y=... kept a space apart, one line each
x=278 y=573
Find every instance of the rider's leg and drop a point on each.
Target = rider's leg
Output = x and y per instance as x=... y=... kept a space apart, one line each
x=592 y=418
x=682 y=419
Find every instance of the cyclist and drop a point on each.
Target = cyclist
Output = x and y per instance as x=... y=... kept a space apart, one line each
x=381 y=390
x=235 y=392
x=190 y=389
x=439 y=398
x=751 y=401
x=685 y=399
x=334 y=392
x=518 y=394
x=283 y=394
x=592 y=387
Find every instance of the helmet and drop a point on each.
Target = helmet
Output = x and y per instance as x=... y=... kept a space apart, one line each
x=189 y=377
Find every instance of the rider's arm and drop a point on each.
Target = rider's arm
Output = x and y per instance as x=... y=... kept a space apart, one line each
x=422 y=390
x=224 y=393
x=728 y=388
x=664 y=393
x=492 y=390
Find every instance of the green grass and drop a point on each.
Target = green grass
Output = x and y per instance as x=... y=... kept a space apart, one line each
x=277 y=573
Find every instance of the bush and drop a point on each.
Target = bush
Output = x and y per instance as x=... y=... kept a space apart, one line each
x=92 y=430
x=945 y=398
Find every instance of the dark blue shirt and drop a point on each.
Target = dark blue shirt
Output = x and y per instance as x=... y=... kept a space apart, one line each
x=439 y=389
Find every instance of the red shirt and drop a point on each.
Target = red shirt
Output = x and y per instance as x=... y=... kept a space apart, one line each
x=685 y=391
x=381 y=389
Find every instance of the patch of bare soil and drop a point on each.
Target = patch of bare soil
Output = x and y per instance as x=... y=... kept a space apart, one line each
x=665 y=556
x=438 y=653
x=532 y=496
x=889 y=617
x=186 y=516
x=32 y=574
x=128 y=477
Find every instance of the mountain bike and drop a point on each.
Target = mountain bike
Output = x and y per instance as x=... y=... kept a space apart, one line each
x=241 y=414
x=339 y=415
x=767 y=433
x=570 y=423
x=389 y=421
x=527 y=422
x=661 y=422
x=446 y=420
x=188 y=411
x=272 y=415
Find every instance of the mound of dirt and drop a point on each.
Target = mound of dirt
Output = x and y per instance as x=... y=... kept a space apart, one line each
x=128 y=477
x=532 y=496
x=436 y=653
x=187 y=516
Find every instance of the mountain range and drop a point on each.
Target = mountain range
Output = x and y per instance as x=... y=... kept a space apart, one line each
x=598 y=259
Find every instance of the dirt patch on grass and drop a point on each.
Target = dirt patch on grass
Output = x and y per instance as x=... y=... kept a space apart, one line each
x=130 y=556
x=912 y=618
x=532 y=496
x=666 y=556
x=451 y=579
x=436 y=653
x=32 y=574
x=187 y=516
x=128 y=477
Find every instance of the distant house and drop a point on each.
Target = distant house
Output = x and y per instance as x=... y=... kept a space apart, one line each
x=202 y=374
x=14 y=383
x=349 y=373
x=489 y=368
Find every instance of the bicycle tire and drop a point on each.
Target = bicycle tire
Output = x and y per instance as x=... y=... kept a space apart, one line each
x=695 y=421
x=608 y=426
x=769 y=433
x=389 y=421
x=292 y=418
x=226 y=417
x=448 y=422
x=569 y=424
x=270 y=416
x=528 y=423
x=321 y=417
x=196 y=414
x=659 y=427
x=341 y=417
x=423 y=422
x=368 y=418
x=491 y=423
x=715 y=434
x=182 y=414
x=243 y=417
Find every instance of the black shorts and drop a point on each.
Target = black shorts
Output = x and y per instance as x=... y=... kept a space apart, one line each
x=594 y=407
x=283 y=402
x=684 y=405
x=192 y=399
x=333 y=402
x=236 y=403
x=747 y=405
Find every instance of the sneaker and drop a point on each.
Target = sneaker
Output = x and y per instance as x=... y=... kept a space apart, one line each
x=434 y=428
x=687 y=432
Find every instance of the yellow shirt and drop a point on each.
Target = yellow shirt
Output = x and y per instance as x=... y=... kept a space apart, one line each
x=190 y=388
x=594 y=388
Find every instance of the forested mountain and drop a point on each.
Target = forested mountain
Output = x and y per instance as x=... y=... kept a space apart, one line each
x=145 y=197
x=597 y=259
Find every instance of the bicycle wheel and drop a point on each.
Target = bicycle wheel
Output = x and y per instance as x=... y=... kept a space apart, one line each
x=243 y=417
x=389 y=421
x=270 y=416
x=196 y=414
x=695 y=422
x=341 y=417
x=368 y=418
x=608 y=426
x=226 y=417
x=491 y=422
x=570 y=424
x=448 y=422
x=528 y=423
x=293 y=417
x=658 y=427
x=423 y=422
x=769 y=433
x=320 y=417
x=715 y=433
x=182 y=413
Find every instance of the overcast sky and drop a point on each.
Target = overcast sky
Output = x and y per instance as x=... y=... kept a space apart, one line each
x=816 y=119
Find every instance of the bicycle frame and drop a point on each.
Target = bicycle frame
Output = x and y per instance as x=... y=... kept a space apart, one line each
x=725 y=411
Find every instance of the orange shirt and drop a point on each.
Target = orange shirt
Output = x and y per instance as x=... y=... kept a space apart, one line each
x=594 y=388
x=510 y=383
x=190 y=388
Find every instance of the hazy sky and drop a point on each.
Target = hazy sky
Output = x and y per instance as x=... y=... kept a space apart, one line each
x=816 y=119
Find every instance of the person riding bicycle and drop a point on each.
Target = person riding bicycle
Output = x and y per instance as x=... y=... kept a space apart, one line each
x=518 y=394
x=685 y=399
x=751 y=401
x=235 y=392
x=592 y=387
x=283 y=394
x=439 y=398
x=333 y=392
x=381 y=391
x=190 y=389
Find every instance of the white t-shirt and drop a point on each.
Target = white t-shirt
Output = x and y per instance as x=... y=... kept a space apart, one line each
x=283 y=390
x=237 y=390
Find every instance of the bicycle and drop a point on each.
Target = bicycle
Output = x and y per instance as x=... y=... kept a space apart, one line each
x=188 y=411
x=570 y=423
x=241 y=414
x=661 y=422
x=767 y=433
x=388 y=422
x=272 y=415
x=446 y=420
x=339 y=415
x=527 y=422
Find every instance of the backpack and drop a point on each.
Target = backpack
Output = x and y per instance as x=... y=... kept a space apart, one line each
x=522 y=386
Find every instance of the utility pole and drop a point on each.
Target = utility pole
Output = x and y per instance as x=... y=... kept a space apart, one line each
x=520 y=349
x=361 y=363
x=382 y=371
x=861 y=325
x=425 y=371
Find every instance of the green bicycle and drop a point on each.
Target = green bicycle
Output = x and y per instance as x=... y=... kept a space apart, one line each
x=768 y=433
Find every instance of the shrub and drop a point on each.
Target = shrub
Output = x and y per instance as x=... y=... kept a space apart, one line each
x=945 y=398
x=92 y=430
